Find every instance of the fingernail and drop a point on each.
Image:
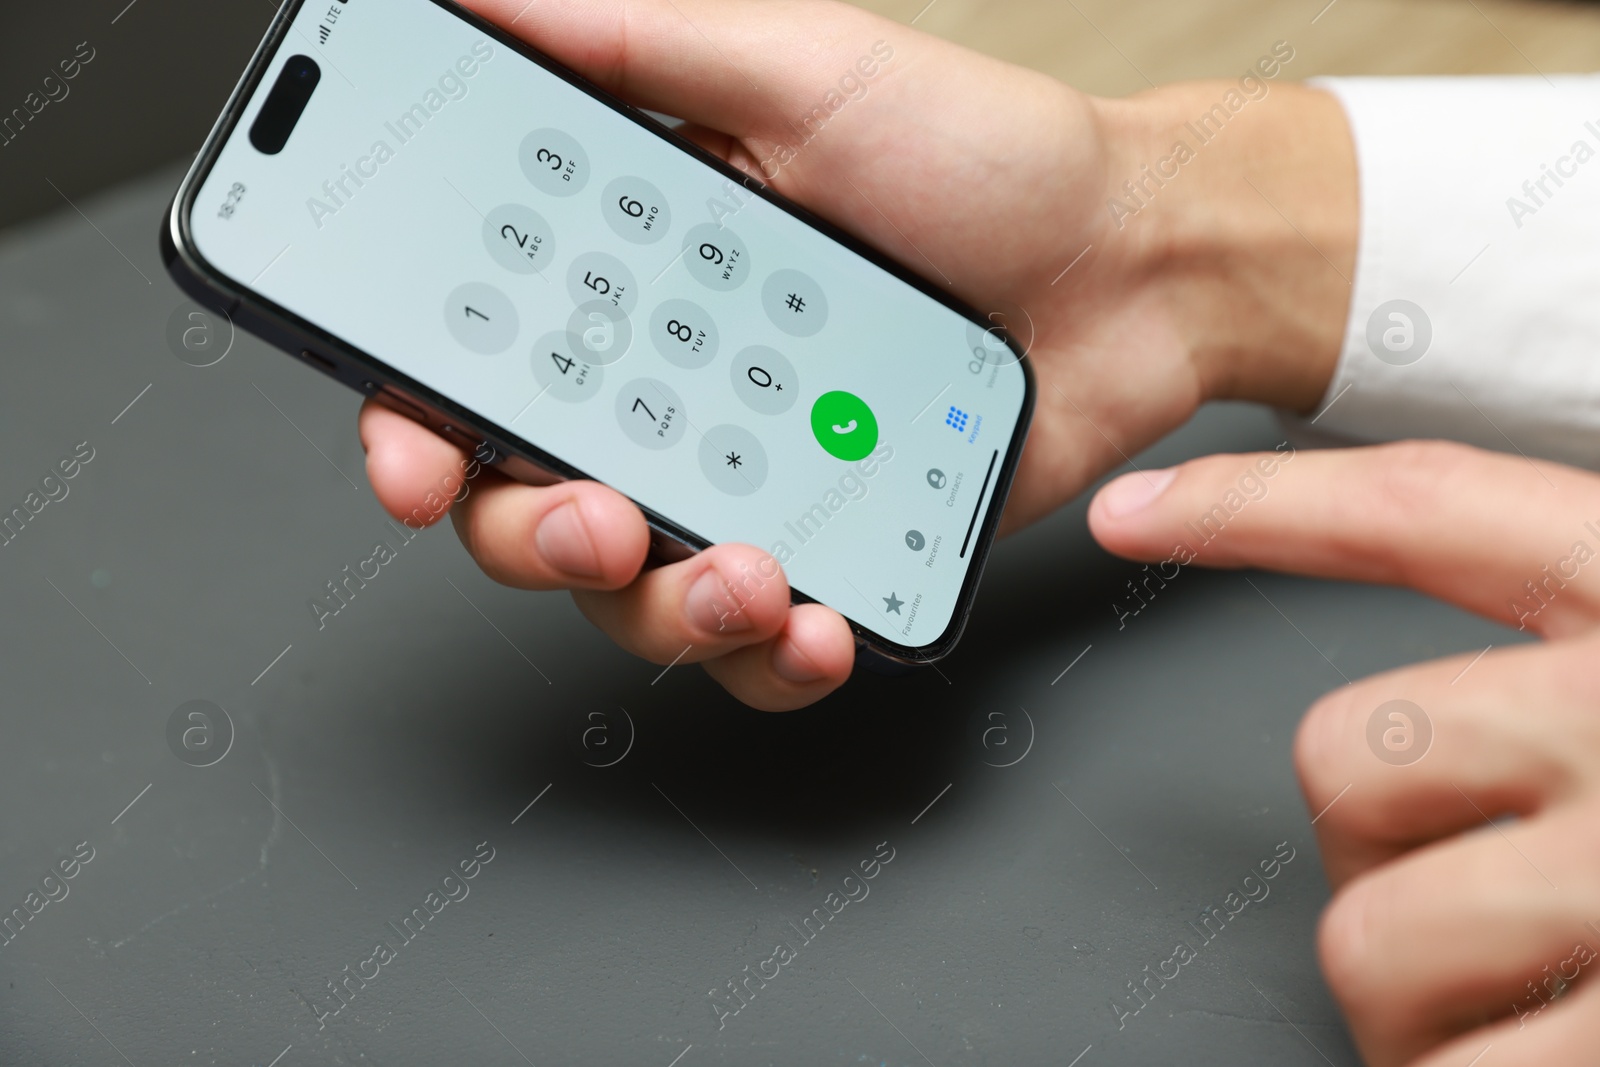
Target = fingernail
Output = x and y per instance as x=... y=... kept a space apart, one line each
x=1133 y=492
x=712 y=606
x=562 y=538
x=792 y=665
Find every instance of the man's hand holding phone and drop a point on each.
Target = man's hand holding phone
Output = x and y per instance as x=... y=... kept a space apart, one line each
x=983 y=177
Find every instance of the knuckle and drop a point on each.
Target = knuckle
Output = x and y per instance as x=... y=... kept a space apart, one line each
x=1319 y=748
x=749 y=572
x=1574 y=675
x=623 y=619
x=1414 y=474
x=1567 y=744
x=487 y=544
x=1220 y=469
x=471 y=533
x=1343 y=935
x=1429 y=457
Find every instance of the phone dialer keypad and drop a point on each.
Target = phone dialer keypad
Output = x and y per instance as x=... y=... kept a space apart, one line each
x=684 y=333
x=481 y=318
x=651 y=414
x=570 y=364
x=764 y=379
x=519 y=238
x=602 y=276
x=716 y=257
x=636 y=210
x=554 y=162
x=794 y=302
x=561 y=372
x=599 y=332
x=733 y=460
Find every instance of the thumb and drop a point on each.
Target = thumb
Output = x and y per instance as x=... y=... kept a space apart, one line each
x=737 y=67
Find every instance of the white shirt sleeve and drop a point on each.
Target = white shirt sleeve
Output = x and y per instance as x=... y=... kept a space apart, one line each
x=1475 y=310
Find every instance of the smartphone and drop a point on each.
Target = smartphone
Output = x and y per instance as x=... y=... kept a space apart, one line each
x=413 y=201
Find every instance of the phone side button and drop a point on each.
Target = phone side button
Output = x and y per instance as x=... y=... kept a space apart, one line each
x=460 y=437
x=393 y=399
x=665 y=548
x=322 y=363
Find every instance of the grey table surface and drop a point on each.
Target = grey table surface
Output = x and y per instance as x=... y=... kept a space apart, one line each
x=371 y=757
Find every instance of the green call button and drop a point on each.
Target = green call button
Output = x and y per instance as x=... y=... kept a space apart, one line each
x=844 y=426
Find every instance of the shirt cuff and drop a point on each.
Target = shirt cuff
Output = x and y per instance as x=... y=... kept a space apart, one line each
x=1475 y=309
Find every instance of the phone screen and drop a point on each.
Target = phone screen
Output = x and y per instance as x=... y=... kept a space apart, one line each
x=452 y=208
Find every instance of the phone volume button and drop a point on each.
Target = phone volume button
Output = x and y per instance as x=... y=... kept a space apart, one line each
x=395 y=401
x=669 y=548
x=323 y=362
x=459 y=437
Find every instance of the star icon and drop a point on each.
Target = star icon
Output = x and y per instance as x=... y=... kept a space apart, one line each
x=891 y=603
x=734 y=459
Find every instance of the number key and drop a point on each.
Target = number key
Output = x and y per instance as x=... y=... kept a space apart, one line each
x=599 y=276
x=716 y=257
x=684 y=334
x=518 y=238
x=651 y=414
x=481 y=318
x=554 y=162
x=764 y=379
x=560 y=371
x=636 y=210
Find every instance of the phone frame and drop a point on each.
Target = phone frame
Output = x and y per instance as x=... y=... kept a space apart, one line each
x=517 y=457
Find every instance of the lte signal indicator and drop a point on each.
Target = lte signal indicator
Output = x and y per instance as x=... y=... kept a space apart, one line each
x=325 y=30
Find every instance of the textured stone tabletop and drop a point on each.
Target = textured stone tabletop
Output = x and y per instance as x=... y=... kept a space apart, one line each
x=456 y=825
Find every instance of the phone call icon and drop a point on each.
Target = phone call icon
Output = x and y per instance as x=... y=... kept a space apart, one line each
x=844 y=426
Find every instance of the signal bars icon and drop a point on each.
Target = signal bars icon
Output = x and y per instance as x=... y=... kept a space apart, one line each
x=323 y=31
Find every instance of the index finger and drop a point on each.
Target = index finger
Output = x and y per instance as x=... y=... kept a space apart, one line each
x=1506 y=537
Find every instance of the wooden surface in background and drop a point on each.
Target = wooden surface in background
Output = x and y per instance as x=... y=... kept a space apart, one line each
x=1113 y=48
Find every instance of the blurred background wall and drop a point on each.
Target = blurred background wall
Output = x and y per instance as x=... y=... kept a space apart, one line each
x=163 y=68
